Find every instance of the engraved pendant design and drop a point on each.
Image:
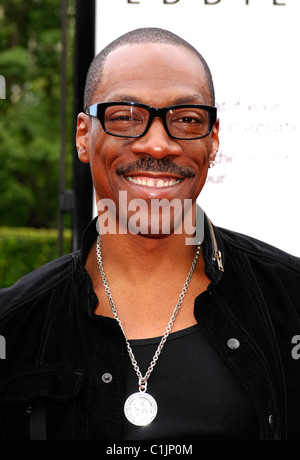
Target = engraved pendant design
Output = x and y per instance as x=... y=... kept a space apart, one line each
x=140 y=409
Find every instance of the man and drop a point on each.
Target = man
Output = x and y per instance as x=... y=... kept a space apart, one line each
x=141 y=335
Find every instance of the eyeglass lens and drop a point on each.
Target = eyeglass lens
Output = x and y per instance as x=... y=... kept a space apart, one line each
x=182 y=122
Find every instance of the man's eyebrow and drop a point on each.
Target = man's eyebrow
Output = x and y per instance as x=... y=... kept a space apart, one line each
x=125 y=98
x=193 y=99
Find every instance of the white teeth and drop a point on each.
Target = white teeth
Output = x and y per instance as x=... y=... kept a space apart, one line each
x=153 y=182
x=150 y=183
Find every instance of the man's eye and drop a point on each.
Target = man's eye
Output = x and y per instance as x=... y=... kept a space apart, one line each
x=120 y=117
x=124 y=117
x=189 y=120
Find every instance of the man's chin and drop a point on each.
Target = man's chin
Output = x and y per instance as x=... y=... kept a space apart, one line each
x=150 y=218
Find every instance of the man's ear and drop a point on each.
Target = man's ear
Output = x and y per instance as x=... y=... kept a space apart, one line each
x=215 y=141
x=82 y=137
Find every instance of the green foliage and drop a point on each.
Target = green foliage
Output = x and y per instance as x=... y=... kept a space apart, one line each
x=22 y=250
x=30 y=60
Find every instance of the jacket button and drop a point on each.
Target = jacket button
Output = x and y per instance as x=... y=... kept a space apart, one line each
x=107 y=378
x=233 y=344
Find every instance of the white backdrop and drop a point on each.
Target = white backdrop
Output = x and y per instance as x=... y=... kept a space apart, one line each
x=251 y=47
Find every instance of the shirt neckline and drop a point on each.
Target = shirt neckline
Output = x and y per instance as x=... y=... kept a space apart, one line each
x=172 y=336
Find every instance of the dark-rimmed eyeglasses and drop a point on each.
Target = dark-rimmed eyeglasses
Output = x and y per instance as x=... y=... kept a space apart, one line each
x=131 y=119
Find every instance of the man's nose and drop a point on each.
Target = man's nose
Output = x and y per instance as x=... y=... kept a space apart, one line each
x=156 y=142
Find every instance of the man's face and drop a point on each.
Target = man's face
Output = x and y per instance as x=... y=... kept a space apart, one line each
x=154 y=166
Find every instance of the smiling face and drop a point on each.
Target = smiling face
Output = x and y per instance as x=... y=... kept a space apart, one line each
x=154 y=166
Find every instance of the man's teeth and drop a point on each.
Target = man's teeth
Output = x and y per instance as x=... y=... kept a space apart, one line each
x=149 y=182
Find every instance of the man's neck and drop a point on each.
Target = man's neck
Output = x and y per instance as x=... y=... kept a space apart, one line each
x=146 y=277
x=139 y=255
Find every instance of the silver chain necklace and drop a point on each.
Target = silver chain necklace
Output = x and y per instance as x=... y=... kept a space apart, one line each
x=141 y=408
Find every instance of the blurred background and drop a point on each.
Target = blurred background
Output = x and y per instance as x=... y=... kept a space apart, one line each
x=31 y=116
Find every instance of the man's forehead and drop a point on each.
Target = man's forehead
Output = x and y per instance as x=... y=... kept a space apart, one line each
x=156 y=66
x=155 y=51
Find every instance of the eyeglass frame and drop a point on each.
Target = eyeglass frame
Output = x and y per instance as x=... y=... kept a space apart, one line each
x=97 y=110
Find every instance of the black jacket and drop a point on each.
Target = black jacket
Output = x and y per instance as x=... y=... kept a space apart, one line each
x=57 y=349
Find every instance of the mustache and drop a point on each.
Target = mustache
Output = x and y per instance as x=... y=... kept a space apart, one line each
x=162 y=165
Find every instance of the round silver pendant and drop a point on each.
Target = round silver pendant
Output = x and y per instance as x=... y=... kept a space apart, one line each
x=140 y=408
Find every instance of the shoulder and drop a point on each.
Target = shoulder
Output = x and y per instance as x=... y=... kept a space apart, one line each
x=37 y=284
x=257 y=250
x=266 y=272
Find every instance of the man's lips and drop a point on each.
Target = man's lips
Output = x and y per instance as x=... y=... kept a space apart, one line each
x=161 y=168
x=149 y=172
x=157 y=182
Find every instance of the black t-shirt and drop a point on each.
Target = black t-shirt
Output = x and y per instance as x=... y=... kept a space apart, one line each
x=198 y=397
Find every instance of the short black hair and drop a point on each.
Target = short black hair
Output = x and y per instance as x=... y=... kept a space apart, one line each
x=134 y=37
